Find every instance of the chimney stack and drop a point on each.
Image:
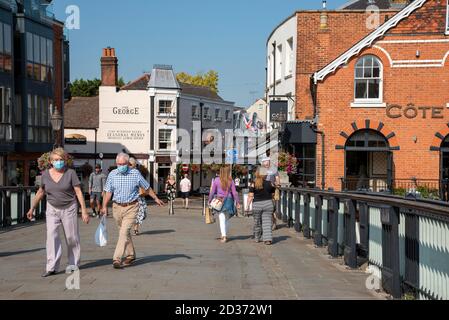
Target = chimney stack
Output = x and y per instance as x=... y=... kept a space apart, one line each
x=109 y=68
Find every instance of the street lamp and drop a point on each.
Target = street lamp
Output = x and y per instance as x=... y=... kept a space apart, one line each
x=56 y=124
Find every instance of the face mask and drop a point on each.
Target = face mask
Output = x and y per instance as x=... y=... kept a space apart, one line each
x=122 y=169
x=58 y=165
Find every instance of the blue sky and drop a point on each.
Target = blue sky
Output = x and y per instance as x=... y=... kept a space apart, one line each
x=228 y=36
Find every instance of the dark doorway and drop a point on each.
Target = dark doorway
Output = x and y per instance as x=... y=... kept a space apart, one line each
x=368 y=162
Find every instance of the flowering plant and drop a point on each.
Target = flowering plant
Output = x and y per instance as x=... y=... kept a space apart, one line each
x=44 y=163
x=287 y=163
x=240 y=170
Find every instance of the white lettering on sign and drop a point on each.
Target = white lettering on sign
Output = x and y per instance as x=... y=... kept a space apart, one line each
x=126 y=110
x=125 y=135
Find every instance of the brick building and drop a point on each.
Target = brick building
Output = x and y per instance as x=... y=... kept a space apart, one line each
x=383 y=105
x=303 y=43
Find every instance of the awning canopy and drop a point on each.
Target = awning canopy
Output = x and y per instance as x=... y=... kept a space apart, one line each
x=299 y=132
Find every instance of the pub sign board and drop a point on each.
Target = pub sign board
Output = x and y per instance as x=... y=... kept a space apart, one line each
x=278 y=111
x=76 y=139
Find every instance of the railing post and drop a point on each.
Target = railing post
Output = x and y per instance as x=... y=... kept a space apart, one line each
x=284 y=206
x=306 y=222
x=290 y=209
x=317 y=234
x=350 y=252
x=7 y=214
x=412 y=249
x=391 y=281
x=298 y=224
x=364 y=228
x=278 y=205
x=333 y=227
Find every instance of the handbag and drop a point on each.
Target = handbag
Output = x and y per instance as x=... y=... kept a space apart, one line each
x=209 y=218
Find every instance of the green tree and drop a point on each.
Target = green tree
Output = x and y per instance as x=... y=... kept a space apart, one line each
x=88 y=88
x=208 y=79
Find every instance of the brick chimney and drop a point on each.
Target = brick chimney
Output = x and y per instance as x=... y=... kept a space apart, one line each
x=109 y=68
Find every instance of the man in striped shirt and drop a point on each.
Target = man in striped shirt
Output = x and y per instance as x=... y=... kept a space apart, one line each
x=123 y=185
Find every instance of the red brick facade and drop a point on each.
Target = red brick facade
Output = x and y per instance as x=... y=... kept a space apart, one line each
x=415 y=59
x=318 y=46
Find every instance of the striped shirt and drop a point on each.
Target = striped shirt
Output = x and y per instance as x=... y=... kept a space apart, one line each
x=125 y=187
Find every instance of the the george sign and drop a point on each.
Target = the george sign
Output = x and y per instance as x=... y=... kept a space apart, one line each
x=75 y=139
x=278 y=111
x=395 y=111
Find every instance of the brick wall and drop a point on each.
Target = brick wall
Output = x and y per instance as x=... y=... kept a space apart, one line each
x=317 y=46
x=403 y=83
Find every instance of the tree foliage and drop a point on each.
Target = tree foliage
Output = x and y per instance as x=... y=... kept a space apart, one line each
x=88 y=88
x=208 y=79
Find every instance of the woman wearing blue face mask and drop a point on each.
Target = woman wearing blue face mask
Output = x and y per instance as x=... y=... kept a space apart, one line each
x=62 y=188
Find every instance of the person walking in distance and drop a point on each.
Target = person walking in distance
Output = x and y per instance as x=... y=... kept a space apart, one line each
x=261 y=195
x=222 y=188
x=97 y=181
x=186 y=187
x=122 y=186
x=170 y=190
x=62 y=188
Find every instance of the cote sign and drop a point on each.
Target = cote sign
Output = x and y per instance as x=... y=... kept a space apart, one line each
x=411 y=111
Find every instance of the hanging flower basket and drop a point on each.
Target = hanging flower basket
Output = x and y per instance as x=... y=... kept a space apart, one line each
x=288 y=163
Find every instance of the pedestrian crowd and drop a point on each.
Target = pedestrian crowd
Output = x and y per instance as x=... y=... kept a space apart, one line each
x=127 y=189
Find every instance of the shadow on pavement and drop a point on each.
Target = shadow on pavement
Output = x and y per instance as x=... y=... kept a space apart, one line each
x=240 y=238
x=14 y=253
x=153 y=232
x=139 y=261
x=160 y=258
x=280 y=239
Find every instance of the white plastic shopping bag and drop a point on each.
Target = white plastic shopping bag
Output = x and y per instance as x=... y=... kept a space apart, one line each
x=101 y=235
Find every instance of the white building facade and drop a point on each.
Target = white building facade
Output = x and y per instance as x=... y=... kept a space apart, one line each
x=281 y=64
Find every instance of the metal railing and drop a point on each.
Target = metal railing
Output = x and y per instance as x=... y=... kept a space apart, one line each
x=15 y=203
x=433 y=189
x=405 y=242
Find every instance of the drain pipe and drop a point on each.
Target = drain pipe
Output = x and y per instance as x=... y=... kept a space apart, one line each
x=313 y=92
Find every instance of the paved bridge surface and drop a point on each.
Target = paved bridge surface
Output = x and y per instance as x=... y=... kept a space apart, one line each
x=180 y=258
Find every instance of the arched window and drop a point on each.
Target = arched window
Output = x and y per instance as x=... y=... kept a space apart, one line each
x=368 y=79
x=367 y=140
x=445 y=144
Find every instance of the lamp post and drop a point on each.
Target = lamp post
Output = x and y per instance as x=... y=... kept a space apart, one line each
x=56 y=123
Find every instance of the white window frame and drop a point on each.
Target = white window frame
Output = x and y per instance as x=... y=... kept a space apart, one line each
x=170 y=109
x=289 y=57
x=227 y=115
x=169 y=141
x=447 y=17
x=195 y=113
x=206 y=115
x=279 y=62
x=218 y=115
x=369 y=102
